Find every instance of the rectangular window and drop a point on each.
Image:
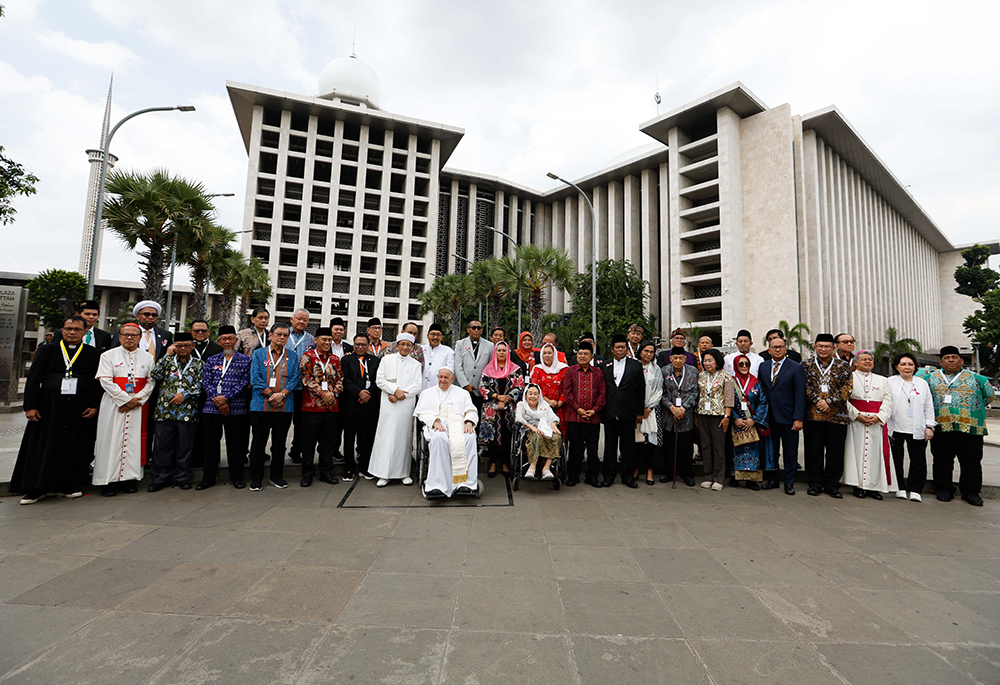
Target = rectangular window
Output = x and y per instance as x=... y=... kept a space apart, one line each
x=268 y=163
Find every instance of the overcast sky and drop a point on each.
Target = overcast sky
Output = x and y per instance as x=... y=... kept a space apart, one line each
x=537 y=86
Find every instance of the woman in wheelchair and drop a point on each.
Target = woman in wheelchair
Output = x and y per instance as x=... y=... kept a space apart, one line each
x=542 y=424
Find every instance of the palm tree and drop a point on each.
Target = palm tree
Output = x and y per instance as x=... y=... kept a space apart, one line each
x=894 y=345
x=226 y=265
x=795 y=335
x=693 y=335
x=446 y=297
x=201 y=246
x=533 y=271
x=485 y=286
x=251 y=282
x=152 y=210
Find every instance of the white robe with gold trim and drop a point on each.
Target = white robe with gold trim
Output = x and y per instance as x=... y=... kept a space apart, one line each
x=120 y=443
x=452 y=454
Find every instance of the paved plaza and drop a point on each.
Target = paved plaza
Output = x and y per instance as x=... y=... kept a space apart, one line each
x=359 y=585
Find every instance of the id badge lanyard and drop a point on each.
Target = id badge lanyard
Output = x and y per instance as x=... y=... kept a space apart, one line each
x=130 y=381
x=226 y=361
x=68 y=386
x=272 y=381
x=947 y=396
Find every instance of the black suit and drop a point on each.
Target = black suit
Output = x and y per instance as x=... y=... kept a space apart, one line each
x=791 y=354
x=208 y=348
x=359 y=419
x=786 y=403
x=102 y=339
x=625 y=401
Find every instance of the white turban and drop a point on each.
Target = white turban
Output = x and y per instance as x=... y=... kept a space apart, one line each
x=408 y=337
x=147 y=303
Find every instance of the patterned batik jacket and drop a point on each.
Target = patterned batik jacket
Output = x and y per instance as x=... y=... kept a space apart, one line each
x=174 y=378
x=839 y=381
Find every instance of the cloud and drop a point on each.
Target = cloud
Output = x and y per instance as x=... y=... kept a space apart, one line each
x=109 y=54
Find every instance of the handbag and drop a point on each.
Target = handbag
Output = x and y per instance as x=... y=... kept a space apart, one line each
x=745 y=437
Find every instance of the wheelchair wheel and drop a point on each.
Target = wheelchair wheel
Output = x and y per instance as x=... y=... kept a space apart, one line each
x=555 y=483
x=480 y=488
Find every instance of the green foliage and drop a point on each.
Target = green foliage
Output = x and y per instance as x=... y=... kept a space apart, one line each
x=445 y=298
x=123 y=317
x=693 y=333
x=894 y=345
x=14 y=180
x=982 y=284
x=795 y=336
x=55 y=295
x=975 y=278
x=535 y=272
x=621 y=299
x=213 y=326
x=201 y=245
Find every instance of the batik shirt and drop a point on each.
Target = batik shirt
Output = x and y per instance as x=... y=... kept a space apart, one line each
x=839 y=381
x=174 y=378
x=970 y=395
x=715 y=393
x=685 y=388
x=313 y=374
x=233 y=384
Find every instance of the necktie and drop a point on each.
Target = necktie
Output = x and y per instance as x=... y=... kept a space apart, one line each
x=88 y=338
x=774 y=371
x=150 y=345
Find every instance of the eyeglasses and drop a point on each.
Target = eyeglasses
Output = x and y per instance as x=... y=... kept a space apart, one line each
x=743 y=364
x=152 y=314
x=70 y=330
x=128 y=335
x=476 y=328
x=848 y=342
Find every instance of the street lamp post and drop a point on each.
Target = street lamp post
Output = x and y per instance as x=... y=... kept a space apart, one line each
x=99 y=214
x=593 y=268
x=501 y=233
x=469 y=262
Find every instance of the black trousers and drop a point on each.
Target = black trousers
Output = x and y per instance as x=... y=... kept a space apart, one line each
x=295 y=451
x=172 y=452
x=619 y=438
x=318 y=428
x=824 y=439
x=359 y=434
x=198 y=452
x=498 y=451
x=918 y=461
x=786 y=443
x=583 y=436
x=968 y=449
x=151 y=434
x=265 y=424
x=683 y=455
x=237 y=430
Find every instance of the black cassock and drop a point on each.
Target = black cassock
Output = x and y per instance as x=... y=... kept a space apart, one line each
x=56 y=450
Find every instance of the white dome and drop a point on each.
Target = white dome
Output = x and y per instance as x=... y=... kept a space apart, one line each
x=640 y=150
x=350 y=75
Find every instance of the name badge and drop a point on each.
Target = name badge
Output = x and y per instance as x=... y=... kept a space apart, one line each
x=677 y=401
x=218 y=388
x=130 y=388
x=947 y=399
x=708 y=406
x=69 y=386
x=745 y=407
x=824 y=387
x=909 y=411
x=324 y=386
x=272 y=383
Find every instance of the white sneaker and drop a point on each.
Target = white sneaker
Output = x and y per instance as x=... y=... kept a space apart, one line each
x=407 y=481
x=530 y=473
x=716 y=486
x=706 y=484
x=915 y=497
x=548 y=475
x=381 y=483
x=901 y=494
x=31 y=499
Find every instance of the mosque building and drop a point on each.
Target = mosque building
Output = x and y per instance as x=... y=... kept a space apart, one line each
x=737 y=214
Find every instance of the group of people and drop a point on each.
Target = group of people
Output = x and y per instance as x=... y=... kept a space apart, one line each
x=149 y=399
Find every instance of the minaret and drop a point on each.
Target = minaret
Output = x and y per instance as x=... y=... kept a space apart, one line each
x=92 y=190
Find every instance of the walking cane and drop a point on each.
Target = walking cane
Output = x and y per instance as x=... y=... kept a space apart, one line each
x=673 y=486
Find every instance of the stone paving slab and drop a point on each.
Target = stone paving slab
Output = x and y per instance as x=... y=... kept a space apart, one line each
x=582 y=585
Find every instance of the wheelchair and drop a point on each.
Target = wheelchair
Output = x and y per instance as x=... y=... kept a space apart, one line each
x=423 y=458
x=519 y=460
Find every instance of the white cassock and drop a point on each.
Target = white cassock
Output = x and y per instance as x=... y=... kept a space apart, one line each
x=394 y=436
x=867 y=462
x=435 y=359
x=120 y=451
x=452 y=454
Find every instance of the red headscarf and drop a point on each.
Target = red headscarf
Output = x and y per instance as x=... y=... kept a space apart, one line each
x=527 y=357
x=494 y=370
x=746 y=381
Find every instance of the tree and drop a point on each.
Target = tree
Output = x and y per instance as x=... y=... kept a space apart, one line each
x=253 y=284
x=485 y=286
x=894 y=345
x=982 y=284
x=55 y=295
x=152 y=211
x=533 y=271
x=14 y=180
x=224 y=275
x=446 y=297
x=201 y=246
x=797 y=335
x=621 y=300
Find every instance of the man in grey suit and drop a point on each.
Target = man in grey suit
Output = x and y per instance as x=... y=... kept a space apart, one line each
x=472 y=354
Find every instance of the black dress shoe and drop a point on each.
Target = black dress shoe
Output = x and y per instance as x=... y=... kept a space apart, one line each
x=945 y=496
x=185 y=486
x=491 y=474
x=607 y=482
x=239 y=485
x=572 y=480
x=874 y=495
x=306 y=481
x=434 y=494
x=156 y=487
x=752 y=485
x=859 y=493
x=769 y=485
x=109 y=490
x=329 y=478
x=630 y=483
x=203 y=485
x=789 y=489
x=973 y=499
x=664 y=478
x=130 y=487
x=813 y=492
x=689 y=481
x=834 y=494
x=592 y=481
x=733 y=483
x=649 y=481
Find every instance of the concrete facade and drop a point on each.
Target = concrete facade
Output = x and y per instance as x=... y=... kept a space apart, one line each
x=739 y=216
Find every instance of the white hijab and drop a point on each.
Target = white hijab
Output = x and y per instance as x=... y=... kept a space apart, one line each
x=557 y=365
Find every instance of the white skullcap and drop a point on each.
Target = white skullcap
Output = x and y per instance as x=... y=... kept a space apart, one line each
x=147 y=303
x=408 y=337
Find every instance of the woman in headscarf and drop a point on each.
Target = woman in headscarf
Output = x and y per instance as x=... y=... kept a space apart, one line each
x=753 y=452
x=646 y=451
x=524 y=355
x=543 y=431
x=501 y=388
x=549 y=374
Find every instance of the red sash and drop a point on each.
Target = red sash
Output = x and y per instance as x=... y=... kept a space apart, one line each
x=139 y=384
x=869 y=407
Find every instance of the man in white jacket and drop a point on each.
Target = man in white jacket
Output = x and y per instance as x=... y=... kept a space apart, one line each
x=449 y=419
